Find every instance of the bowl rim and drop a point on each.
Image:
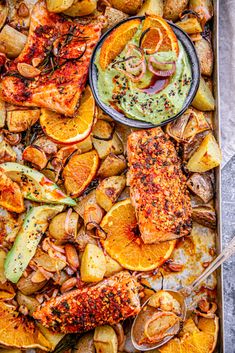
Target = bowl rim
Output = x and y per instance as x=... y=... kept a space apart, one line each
x=120 y=117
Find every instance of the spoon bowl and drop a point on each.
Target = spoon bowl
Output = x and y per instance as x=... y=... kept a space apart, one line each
x=137 y=327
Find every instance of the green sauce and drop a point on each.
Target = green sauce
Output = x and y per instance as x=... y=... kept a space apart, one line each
x=117 y=90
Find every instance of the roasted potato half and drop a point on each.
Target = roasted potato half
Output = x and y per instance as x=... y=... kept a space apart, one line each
x=81 y=8
x=204 y=99
x=21 y=120
x=114 y=16
x=128 y=6
x=204 y=8
x=12 y=41
x=172 y=9
x=112 y=165
x=59 y=5
x=93 y=264
x=152 y=7
x=58 y=230
x=190 y=25
x=105 y=340
x=206 y=157
x=205 y=55
x=85 y=344
x=109 y=190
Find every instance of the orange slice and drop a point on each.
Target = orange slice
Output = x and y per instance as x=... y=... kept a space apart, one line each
x=159 y=34
x=66 y=130
x=79 y=172
x=11 y=197
x=116 y=42
x=124 y=244
x=210 y=326
x=18 y=331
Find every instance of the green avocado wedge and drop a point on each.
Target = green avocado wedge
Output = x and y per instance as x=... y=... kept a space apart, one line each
x=35 y=186
x=27 y=240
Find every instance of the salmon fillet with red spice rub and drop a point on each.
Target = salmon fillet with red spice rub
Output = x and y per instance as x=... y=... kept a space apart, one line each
x=110 y=301
x=61 y=49
x=158 y=187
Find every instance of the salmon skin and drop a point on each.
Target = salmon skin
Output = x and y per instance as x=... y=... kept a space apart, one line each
x=110 y=301
x=158 y=188
x=61 y=49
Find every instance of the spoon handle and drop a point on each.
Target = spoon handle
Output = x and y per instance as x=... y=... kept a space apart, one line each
x=223 y=256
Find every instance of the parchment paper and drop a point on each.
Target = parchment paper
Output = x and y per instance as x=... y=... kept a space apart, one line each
x=227 y=77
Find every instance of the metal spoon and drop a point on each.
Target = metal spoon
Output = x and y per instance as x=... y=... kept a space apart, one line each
x=180 y=297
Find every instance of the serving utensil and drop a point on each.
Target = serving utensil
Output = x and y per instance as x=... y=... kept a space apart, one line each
x=180 y=296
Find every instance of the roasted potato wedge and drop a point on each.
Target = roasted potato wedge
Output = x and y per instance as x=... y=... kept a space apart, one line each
x=191 y=147
x=152 y=7
x=7 y=154
x=52 y=337
x=81 y=8
x=57 y=227
x=204 y=99
x=105 y=340
x=190 y=25
x=27 y=287
x=204 y=8
x=112 y=266
x=36 y=156
x=30 y=302
x=12 y=40
x=172 y=9
x=204 y=215
x=21 y=120
x=114 y=16
x=84 y=201
x=85 y=145
x=93 y=264
x=109 y=190
x=104 y=148
x=202 y=186
x=206 y=157
x=85 y=344
x=112 y=165
x=128 y=6
x=205 y=55
x=59 y=5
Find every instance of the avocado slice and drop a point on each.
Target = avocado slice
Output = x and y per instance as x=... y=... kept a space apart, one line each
x=27 y=240
x=35 y=186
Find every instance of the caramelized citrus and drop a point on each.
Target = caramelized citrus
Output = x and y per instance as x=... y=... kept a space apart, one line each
x=80 y=171
x=10 y=194
x=158 y=35
x=66 y=130
x=124 y=244
x=210 y=326
x=18 y=331
x=116 y=42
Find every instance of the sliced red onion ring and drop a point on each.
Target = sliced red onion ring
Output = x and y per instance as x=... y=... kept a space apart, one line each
x=132 y=77
x=161 y=72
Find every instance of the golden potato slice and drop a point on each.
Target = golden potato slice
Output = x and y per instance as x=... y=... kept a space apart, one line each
x=93 y=264
x=172 y=9
x=205 y=55
x=105 y=340
x=81 y=8
x=109 y=190
x=152 y=7
x=112 y=266
x=12 y=40
x=206 y=157
x=128 y=6
x=204 y=99
x=59 y=5
x=190 y=25
x=112 y=165
x=21 y=120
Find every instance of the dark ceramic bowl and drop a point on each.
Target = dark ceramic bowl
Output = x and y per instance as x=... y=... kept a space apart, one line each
x=121 y=118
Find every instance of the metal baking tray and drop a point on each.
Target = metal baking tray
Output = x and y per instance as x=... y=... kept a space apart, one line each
x=217 y=131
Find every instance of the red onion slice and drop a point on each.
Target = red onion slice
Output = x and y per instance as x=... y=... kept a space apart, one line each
x=160 y=72
x=132 y=77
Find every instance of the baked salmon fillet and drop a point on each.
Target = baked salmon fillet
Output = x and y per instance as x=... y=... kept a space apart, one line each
x=110 y=301
x=158 y=188
x=61 y=49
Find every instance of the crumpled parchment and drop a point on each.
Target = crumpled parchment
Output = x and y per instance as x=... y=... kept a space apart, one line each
x=227 y=77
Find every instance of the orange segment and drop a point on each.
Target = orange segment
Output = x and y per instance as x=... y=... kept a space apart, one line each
x=80 y=171
x=210 y=326
x=66 y=130
x=124 y=244
x=18 y=331
x=116 y=42
x=159 y=32
x=11 y=197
